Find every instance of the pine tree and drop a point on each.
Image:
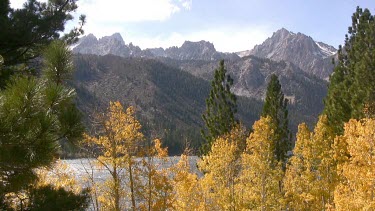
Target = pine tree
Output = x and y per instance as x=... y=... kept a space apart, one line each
x=57 y=65
x=35 y=116
x=219 y=117
x=275 y=106
x=26 y=31
x=352 y=85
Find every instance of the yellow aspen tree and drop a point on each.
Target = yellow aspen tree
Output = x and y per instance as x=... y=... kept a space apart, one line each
x=188 y=193
x=357 y=189
x=323 y=163
x=221 y=167
x=311 y=173
x=298 y=175
x=261 y=172
x=155 y=192
x=118 y=144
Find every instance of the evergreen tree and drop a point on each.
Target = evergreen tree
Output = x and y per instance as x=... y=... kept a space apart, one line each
x=275 y=106
x=25 y=32
x=49 y=198
x=221 y=106
x=35 y=115
x=352 y=84
x=57 y=63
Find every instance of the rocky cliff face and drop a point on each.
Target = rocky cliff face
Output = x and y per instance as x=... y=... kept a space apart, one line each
x=201 y=50
x=311 y=56
x=115 y=45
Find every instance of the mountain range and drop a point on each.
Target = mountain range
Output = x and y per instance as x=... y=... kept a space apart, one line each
x=310 y=56
x=169 y=86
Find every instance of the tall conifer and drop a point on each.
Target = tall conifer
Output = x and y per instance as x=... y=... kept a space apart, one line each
x=221 y=106
x=275 y=106
x=352 y=84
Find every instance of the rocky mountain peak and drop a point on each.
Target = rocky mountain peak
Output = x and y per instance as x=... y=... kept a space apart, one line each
x=115 y=38
x=114 y=44
x=89 y=39
x=198 y=46
x=201 y=50
x=282 y=33
x=311 y=56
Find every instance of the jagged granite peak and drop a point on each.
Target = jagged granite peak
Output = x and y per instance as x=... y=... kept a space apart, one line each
x=116 y=36
x=90 y=38
x=200 y=46
x=115 y=45
x=201 y=50
x=311 y=56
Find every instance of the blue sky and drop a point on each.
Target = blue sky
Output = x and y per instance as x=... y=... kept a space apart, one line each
x=232 y=25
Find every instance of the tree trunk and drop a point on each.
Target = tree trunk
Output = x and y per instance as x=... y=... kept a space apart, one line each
x=131 y=183
x=116 y=189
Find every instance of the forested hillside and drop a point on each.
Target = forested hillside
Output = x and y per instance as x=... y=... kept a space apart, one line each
x=169 y=102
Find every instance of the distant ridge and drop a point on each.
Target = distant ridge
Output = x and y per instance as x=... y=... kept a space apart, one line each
x=115 y=45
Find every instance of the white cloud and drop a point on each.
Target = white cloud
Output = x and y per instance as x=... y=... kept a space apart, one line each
x=125 y=11
x=17 y=4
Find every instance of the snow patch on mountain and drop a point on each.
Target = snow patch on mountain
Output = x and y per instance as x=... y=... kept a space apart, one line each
x=326 y=49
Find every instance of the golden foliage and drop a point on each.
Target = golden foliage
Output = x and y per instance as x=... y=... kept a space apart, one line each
x=311 y=173
x=357 y=188
x=119 y=144
x=188 y=193
x=261 y=173
x=221 y=167
x=298 y=174
x=155 y=191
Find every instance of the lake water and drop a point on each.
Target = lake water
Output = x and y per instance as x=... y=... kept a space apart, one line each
x=83 y=166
